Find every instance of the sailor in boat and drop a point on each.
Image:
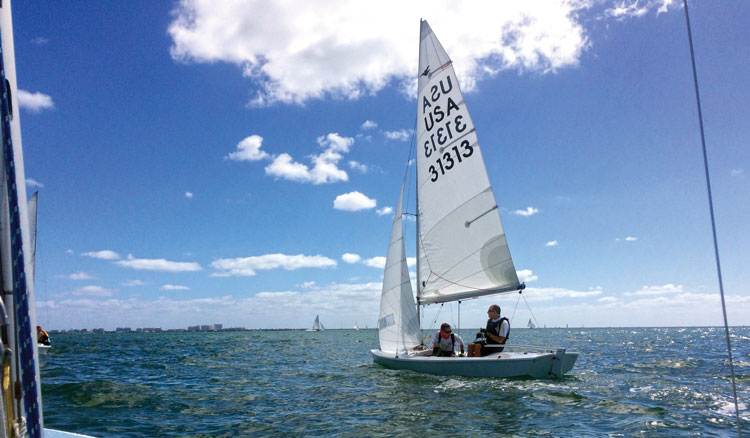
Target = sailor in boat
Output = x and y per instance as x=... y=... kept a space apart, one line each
x=490 y=339
x=42 y=337
x=444 y=342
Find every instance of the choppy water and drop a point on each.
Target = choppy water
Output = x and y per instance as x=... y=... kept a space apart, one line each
x=627 y=382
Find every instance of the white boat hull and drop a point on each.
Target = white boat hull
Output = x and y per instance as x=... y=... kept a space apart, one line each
x=544 y=364
x=43 y=349
x=52 y=433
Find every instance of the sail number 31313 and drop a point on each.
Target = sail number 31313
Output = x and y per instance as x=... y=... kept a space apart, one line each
x=450 y=158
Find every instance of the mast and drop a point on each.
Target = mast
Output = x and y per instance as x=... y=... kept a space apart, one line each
x=416 y=207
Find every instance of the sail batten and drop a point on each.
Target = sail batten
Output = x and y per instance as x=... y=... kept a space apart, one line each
x=463 y=252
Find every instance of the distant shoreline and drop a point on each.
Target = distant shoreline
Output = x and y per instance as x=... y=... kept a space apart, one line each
x=243 y=329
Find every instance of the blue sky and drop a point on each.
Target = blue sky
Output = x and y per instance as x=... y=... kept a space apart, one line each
x=206 y=162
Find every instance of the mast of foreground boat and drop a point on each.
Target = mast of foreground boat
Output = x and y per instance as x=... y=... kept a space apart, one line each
x=15 y=247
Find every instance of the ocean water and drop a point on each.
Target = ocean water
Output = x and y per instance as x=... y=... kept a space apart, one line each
x=627 y=382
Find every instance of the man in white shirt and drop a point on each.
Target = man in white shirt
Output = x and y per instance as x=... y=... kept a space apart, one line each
x=493 y=337
x=444 y=342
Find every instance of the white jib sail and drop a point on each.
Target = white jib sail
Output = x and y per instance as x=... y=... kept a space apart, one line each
x=463 y=251
x=32 y=214
x=398 y=323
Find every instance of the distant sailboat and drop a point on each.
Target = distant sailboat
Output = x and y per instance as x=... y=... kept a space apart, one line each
x=32 y=205
x=462 y=251
x=317 y=326
x=356 y=327
x=531 y=324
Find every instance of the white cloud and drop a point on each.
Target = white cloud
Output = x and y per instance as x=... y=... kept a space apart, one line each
x=69 y=252
x=340 y=304
x=351 y=258
x=133 y=283
x=666 y=289
x=637 y=8
x=77 y=276
x=384 y=211
x=411 y=261
x=551 y=243
x=34 y=183
x=34 y=102
x=173 y=287
x=307 y=285
x=353 y=201
x=161 y=265
x=400 y=135
x=335 y=142
x=530 y=211
x=103 y=255
x=94 y=291
x=626 y=8
x=555 y=293
x=369 y=124
x=526 y=275
x=40 y=41
x=324 y=168
x=375 y=262
x=247 y=266
x=292 y=54
x=736 y=172
x=358 y=166
x=294 y=309
x=189 y=195
x=627 y=239
x=248 y=150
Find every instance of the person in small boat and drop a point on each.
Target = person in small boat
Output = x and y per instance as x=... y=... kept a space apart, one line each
x=444 y=342
x=490 y=339
x=42 y=337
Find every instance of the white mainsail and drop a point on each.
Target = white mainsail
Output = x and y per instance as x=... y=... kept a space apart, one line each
x=317 y=326
x=463 y=252
x=398 y=322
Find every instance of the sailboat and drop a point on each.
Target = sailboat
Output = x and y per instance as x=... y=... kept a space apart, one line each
x=356 y=327
x=531 y=324
x=20 y=388
x=462 y=251
x=32 y=205
x=317 y=326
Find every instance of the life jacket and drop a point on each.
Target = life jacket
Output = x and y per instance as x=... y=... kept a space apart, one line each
x=494 y=328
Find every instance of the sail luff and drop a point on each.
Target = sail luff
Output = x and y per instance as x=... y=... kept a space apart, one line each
x=32 y=213
x=462 y=249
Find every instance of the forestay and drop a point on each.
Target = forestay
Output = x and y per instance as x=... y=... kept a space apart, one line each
x=398 y=322
x=463 y=252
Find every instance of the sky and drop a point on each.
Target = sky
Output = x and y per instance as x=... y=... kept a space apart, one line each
x=238 y=162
